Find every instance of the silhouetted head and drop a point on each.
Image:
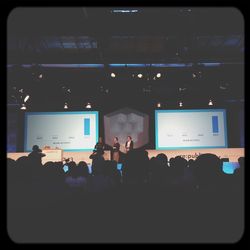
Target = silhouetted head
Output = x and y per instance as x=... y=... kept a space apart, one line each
x=35 y=148
x=190 y=162
x=82 y=169
x=58 y=164
x=22 y=161
x=162 y=159
x=178 y=164
x=49 y=164
x=11 y=162
x=180 y=161
x=208 y=169
x=82 y=164
x=171 y=161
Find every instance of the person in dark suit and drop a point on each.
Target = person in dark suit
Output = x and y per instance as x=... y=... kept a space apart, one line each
x=36 y=155
x=99 y=147
x=98 y=151
x=129 y=145
x=116 y=150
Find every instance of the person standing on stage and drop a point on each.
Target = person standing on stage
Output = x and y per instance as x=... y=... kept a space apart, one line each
x=98 y=152
x=99 y=147
x=129 y=144
x=116 y=149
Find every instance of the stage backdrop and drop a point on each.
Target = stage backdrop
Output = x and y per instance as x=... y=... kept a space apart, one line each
x=125 y=122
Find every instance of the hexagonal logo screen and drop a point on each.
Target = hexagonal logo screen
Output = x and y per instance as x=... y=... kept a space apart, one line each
x=126 y=122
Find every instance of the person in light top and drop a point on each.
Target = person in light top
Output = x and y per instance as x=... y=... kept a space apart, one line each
x=129 y=145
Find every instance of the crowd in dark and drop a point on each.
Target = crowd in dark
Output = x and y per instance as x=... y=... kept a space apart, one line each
x=143 y=186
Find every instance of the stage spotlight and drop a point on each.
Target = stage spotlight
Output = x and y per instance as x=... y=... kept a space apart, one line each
x=140 y=75
x=23 y=107
x=224 y=86
x=66 y=105
x=182 y=89
x=194 y=75
x=210 y=103
x=112 y=75
x=40 y=76
x=88 y=106
x=26 y=98
x=180 y=104
x=158 y=105
x=158 y=75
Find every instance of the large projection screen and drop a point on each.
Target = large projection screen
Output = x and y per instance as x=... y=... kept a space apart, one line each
x=203 y=128
x=70 y=131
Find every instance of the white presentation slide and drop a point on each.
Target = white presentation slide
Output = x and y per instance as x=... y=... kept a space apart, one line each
x=70 y=131
x=203 y=128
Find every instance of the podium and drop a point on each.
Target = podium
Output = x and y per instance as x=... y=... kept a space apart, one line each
x=52 y=155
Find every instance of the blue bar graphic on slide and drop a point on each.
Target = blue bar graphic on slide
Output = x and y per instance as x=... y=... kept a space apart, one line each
x=86 y=126
x=215 y=124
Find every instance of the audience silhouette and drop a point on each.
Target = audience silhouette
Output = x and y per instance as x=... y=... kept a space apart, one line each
x=171 y=192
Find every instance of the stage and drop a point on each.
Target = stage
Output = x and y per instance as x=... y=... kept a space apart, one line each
x=232 y=153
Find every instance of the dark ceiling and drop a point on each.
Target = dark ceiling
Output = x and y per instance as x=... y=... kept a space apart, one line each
x=77 y=48
x=101 y=35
